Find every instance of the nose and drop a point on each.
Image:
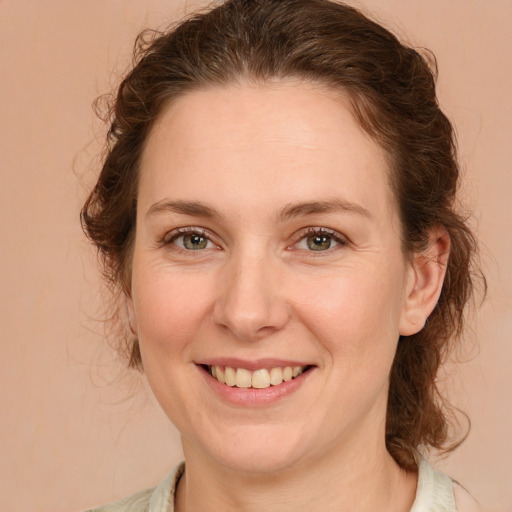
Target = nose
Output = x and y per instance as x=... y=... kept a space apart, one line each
x=251 y=304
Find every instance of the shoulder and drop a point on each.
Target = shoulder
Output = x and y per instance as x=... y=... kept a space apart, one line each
x=155 y=499
x=437 y=491
x=138 y=502
x=464 y=500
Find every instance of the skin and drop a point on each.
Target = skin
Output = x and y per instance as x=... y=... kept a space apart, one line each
x=250 y=154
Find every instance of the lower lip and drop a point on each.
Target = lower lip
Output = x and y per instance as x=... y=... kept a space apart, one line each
x=251 y=397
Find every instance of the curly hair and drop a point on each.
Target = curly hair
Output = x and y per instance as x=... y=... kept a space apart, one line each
x=392 y=94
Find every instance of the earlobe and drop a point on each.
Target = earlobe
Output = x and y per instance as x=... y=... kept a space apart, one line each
x=424 y=282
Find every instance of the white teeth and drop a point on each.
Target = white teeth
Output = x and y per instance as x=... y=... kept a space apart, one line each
x=219 y=374
x=258 y=379
x=276 y=376
x=287 y=373
x=243 y=378
x=230 y=376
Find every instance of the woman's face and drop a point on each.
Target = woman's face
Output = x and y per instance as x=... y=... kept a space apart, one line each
x=267 y=240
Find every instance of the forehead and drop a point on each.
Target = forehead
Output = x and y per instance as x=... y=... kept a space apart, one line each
x=285 y=141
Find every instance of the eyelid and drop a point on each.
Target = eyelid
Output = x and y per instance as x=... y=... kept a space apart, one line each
x=173 y=234
x=338 y=237
x=169 y=236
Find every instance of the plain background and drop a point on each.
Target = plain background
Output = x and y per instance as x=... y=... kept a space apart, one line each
x=76 y=429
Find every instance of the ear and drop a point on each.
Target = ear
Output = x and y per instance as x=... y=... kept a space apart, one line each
x=132 y=319
x=424 y=282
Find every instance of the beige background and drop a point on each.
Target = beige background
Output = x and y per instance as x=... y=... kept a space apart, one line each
x=75 y=430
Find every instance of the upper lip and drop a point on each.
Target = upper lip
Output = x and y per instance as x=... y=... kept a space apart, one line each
x=253 y=364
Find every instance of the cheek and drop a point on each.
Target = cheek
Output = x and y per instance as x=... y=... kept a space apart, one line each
x=353 y=314
x=170 y=307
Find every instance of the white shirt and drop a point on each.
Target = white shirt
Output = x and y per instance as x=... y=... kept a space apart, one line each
x=435 y=492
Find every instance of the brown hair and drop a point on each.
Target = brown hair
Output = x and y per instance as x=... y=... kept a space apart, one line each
x=392 y=92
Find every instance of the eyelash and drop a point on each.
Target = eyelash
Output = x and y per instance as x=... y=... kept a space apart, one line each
x=319 y=231
x=171 y=237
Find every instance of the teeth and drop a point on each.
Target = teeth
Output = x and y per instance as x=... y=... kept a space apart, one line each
x=230 y=376
x=276 y=376
x=261 y=379
x=258 y=379
x=243 y=378
x=219 y=375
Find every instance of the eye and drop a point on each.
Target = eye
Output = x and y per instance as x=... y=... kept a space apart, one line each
x=320 y=240
x=191 y=240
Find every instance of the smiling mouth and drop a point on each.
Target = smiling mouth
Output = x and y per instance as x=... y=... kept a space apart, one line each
x=256 y=379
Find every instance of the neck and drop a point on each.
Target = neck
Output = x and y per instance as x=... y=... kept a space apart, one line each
x=357 y=481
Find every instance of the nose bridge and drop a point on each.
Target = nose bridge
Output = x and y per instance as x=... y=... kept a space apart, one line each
x=251 y=304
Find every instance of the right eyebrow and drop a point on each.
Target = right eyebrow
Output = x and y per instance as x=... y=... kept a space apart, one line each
x=330 y=206
x=192 y=208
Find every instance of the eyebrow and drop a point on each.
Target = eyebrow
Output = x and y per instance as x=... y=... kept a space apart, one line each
x=330 y=206
x=192 y=208
x=198 y=209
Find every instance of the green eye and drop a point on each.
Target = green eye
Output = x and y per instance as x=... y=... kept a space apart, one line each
x=319 y=242
x=194 y=242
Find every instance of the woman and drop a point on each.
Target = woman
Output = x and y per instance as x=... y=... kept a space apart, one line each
x=276 y=207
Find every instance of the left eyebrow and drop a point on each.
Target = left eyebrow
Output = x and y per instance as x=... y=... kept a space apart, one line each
x=313 y=207
x=192 y=208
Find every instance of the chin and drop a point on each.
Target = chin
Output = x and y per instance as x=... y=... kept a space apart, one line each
x=260 y=462
x=259 y=449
